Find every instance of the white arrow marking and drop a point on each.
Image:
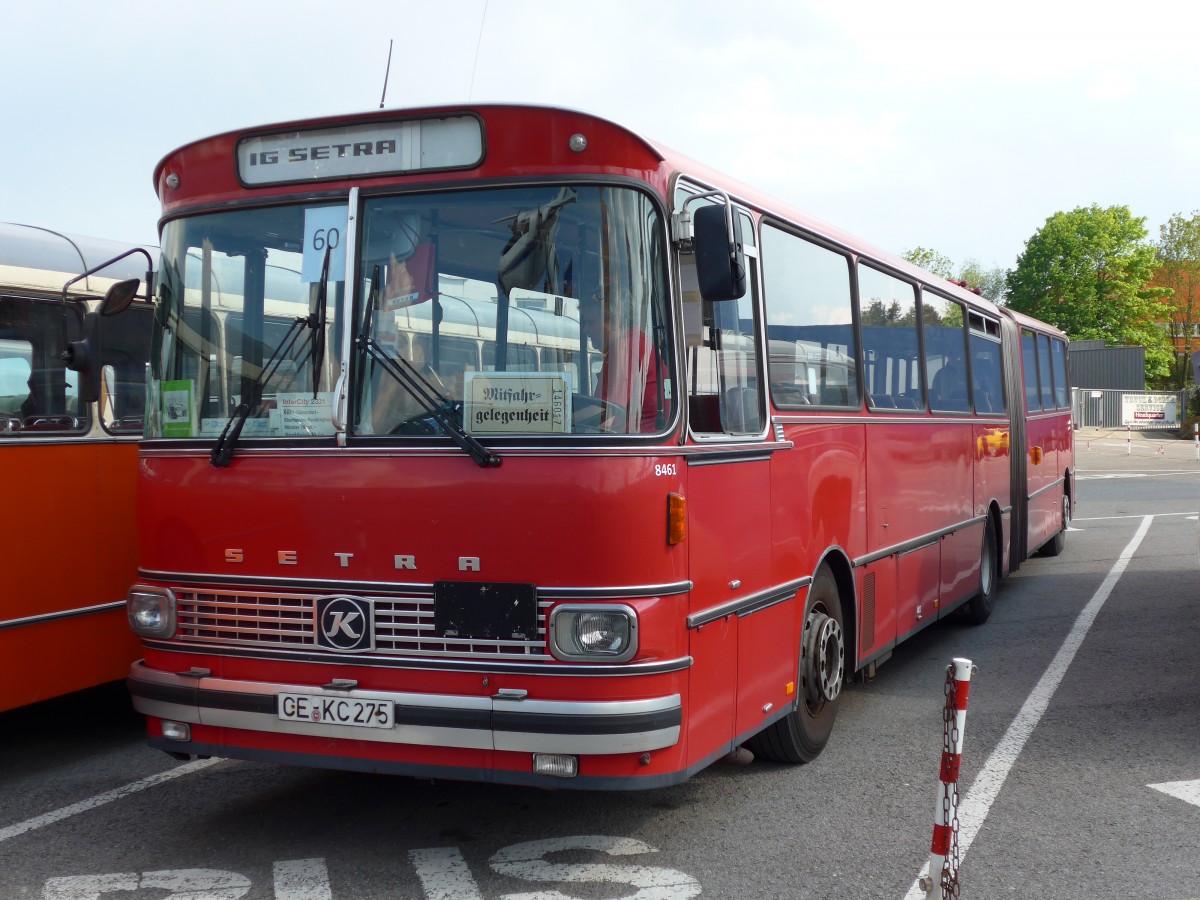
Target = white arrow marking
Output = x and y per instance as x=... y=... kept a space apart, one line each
x=1187 y=791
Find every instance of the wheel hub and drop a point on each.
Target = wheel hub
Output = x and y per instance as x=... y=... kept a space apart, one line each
x=823 y=649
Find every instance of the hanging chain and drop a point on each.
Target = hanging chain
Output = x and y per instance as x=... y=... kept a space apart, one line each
x=949 y=873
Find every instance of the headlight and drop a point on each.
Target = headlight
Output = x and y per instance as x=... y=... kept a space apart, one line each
x=151 y=611
x=599 y=633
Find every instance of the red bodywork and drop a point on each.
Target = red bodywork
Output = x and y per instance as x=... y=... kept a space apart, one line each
x=833 y=488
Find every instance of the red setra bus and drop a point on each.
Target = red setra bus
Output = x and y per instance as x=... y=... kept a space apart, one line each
x=500 y=443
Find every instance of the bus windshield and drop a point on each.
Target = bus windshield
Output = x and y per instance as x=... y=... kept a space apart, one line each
x=532 y=311
x=231 y=290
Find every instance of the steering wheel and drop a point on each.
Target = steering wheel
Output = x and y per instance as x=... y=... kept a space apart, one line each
x=594 y=414
x=426 y=423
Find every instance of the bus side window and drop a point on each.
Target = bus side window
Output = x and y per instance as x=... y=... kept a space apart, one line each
x=15 y=369
x=1029 y=364
x=1062 y=392
x=888 y=310
x=810 y=335
x=1045 y=374
x=942 y=324
x=723 y=377
x=987 y=365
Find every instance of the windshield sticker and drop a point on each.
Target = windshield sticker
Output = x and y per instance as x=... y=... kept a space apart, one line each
x=179 y=408
x=302 y=415
x=267 y=427
x=517 y=403
x=324 y=232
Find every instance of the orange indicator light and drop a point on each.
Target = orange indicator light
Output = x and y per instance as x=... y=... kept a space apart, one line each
x=676 y=518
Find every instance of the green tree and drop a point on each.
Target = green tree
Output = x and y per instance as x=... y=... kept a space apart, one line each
x=1088 y=272
x=988 y=282
x=991 y=283
x=930 y=261
x=1179 y=272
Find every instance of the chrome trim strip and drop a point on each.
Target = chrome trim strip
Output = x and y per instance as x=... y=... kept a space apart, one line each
x=1058 y=482
x=916 y=543
x=873 y=416
x=334 y=586
x=66 y=439
x=725 y=455
x=433 y=664
x=744 y=606
x=376 y=449
x=442 y=720
x=63 y=614
x=758 y=443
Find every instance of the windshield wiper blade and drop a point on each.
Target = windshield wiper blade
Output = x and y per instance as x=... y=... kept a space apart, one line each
x=222 y=451
x=364 y=334
x=317 y=357
x=430 y=398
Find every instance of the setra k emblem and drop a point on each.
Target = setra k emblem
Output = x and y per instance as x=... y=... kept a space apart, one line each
x=344 y=624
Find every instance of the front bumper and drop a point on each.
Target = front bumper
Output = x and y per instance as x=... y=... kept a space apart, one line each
x=501 y=722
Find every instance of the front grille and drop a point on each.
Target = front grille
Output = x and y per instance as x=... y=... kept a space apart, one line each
x=403 y=625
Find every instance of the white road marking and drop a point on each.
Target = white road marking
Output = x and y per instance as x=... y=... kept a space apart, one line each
x=1188 y=791
x=50 y=818
x=302 y=879
x=444 y=874
x=974 y=809
x=1189 y=515
x=1096 y=475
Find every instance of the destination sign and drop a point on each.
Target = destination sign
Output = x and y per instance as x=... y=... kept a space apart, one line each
x=353 y=151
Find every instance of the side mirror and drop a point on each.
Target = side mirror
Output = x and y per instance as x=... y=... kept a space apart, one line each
x=118 y=297
x=720 y=263
x=84 y=357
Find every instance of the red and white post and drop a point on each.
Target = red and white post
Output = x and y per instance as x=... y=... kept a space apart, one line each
x=943 y=857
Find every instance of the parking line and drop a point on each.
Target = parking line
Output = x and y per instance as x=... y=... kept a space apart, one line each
x=66 y=812
x=974 y=809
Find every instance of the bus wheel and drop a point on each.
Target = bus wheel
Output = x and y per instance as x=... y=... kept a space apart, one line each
x=980 y=606
x=1056 y=544
x=801 y=735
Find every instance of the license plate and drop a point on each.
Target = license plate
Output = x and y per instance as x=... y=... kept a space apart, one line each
x=325 y=710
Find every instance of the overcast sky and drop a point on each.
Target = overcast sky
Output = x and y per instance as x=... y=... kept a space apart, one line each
x=958 y=126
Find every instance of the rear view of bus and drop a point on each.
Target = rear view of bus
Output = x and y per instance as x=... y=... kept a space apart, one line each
x=69 y=463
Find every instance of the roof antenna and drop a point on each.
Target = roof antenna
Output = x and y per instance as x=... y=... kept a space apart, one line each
x=386 y=73
x=478 y=41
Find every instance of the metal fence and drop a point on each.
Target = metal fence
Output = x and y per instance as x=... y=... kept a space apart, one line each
x=1141 y=410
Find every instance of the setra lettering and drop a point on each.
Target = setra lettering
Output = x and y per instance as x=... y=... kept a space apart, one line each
x=345 y=559
x=325 y=151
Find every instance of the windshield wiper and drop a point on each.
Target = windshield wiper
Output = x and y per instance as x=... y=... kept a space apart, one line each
x=317 y=357
x=222 y=451
x=364 y=332
x=408 y=377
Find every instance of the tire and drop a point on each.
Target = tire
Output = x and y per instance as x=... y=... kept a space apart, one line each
x=801 y=735
x=1058 y=543
x=979 y=608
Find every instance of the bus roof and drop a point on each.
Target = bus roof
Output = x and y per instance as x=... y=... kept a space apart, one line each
x=207 y=175
x=41 y=259
x=1030 y=322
